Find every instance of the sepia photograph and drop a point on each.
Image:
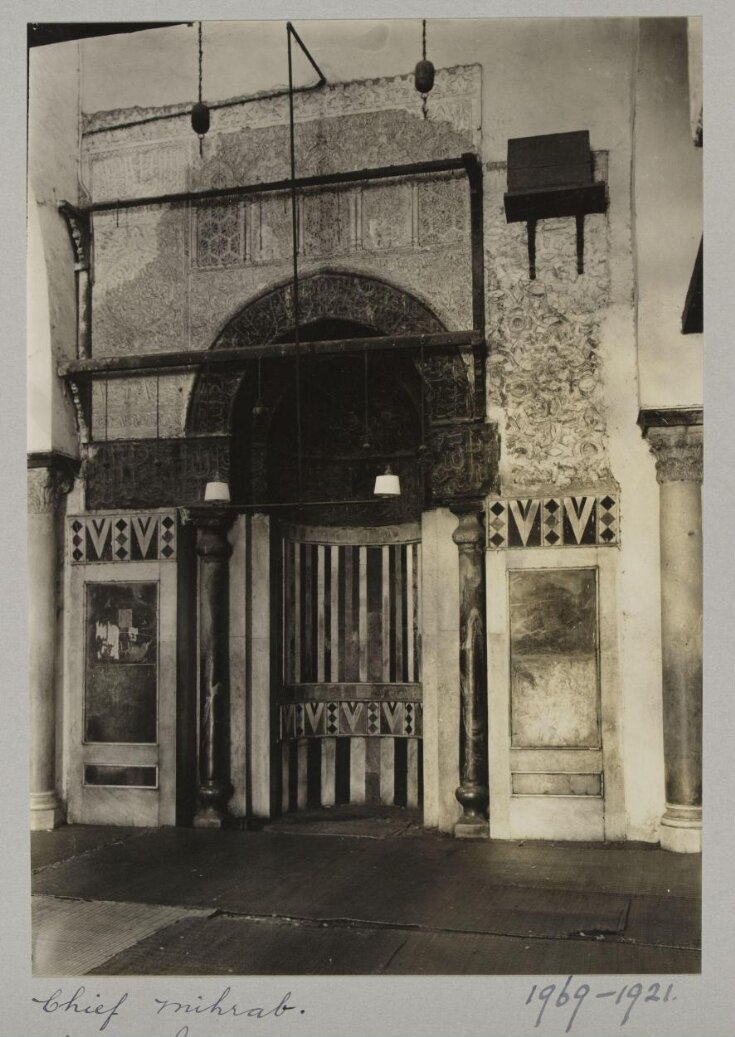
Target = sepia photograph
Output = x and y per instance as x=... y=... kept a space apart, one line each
x=364 y=493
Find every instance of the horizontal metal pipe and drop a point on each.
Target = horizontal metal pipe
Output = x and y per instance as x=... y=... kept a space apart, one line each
x=238 y=356
x=267 y=505
x=447 y=165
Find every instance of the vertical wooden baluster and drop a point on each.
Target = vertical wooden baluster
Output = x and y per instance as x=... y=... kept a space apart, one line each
x=357 y=770
x=329 y=759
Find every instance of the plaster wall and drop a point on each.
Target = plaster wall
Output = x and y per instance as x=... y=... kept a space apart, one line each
x=440 y=667
x=53 y=164
x=668 y=221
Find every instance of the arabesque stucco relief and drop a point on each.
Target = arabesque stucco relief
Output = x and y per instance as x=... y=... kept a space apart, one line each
x=545 y=378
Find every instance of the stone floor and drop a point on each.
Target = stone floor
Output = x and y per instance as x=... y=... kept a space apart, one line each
x=346 y=894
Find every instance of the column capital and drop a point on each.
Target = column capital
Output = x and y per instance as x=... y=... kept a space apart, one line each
x=212 y=522
x=470 y=531
x=50 y=477
x=678 y=450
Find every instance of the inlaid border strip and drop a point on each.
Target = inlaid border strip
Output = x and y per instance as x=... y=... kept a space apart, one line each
x=114 y=537
x=315 y=719
x=570 y=520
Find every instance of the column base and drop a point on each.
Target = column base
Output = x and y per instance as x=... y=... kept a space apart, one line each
x=211 y=817
x=46 y=812
x=479 y=829
x=681 y=829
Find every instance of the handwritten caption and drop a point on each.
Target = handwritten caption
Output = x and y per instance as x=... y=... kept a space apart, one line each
x=571 y=998
x=80 y=1003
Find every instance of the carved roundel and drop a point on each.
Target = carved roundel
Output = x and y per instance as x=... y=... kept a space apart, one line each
x=364 y=300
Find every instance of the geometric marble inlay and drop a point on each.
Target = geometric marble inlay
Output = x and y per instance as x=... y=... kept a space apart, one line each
x=574 y=520
x=362 y=719
x=146 y=536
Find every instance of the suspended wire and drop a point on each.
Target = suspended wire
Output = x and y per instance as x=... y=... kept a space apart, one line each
x=295 y=244
x=199 y=94
x=423 y=399
x=366 y=443
x=201 y=56
x=423 y=55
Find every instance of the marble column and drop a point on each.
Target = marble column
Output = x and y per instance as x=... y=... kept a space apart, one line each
x=50 y=477
x=212 y=523
x=473 y=789
x=678 y=452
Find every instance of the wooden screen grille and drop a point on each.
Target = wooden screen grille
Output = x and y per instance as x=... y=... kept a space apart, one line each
x=351 y=613
x=350 y=713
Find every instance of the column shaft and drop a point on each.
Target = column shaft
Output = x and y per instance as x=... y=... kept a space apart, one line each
x=46 y=486
x=213 y=549
x=473 y=789
x=679 y=471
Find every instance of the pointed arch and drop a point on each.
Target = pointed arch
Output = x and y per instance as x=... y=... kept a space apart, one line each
x=339 y=295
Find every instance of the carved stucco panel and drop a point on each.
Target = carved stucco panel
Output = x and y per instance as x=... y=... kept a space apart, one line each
x=386 y=212
x=432 y=277
x=140 y=297
x=272 y=227
x=133 y=171
x=330 y=144
x=545 y=378
x=443 y=211
x=456 y=99
x=219 y=233
x=141 y=408
x=327 y=223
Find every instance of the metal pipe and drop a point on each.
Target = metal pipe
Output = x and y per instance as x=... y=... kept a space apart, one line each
x=433 y=166
x=295 y=252
x=267 y=506
x=237 y=356
x=292 y=32
x=477 y=247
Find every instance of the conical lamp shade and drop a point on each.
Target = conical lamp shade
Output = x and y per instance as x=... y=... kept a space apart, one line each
x=387 y=485
x=216 y=490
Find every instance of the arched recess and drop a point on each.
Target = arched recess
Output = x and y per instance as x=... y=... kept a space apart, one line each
x=327 y=295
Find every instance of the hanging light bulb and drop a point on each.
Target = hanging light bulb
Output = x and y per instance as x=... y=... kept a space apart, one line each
x=200 y=113
x=423 y=76
x=388 y=484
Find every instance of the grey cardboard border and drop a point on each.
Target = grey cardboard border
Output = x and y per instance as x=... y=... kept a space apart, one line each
x=373 y=1006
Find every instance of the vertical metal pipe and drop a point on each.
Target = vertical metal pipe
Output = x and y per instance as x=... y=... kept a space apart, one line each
x=295 y=250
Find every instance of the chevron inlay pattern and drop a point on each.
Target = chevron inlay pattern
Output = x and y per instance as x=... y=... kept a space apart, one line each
x=350 y=719
x=143 y=537
x=565 y=521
